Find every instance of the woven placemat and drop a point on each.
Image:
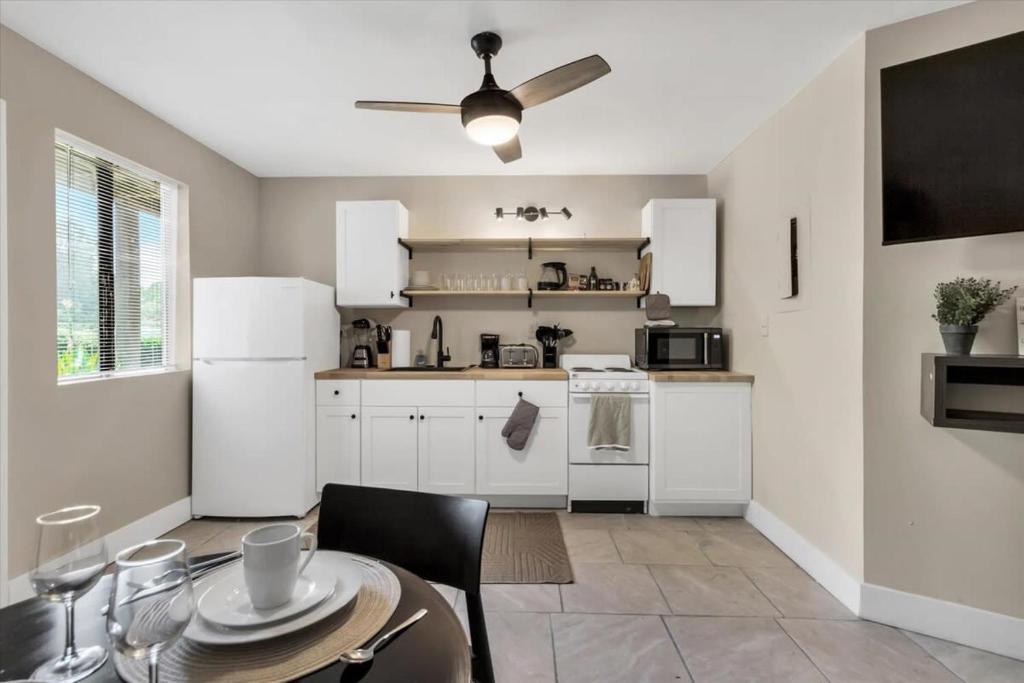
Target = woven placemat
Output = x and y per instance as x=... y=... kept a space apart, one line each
x=284 y=658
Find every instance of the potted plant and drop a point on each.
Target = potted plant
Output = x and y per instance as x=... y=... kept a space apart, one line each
x=960 y=305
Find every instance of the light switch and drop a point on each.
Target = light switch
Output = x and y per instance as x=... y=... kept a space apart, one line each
x=764 y=325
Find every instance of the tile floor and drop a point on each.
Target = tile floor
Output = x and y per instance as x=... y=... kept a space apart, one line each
x=682 y=599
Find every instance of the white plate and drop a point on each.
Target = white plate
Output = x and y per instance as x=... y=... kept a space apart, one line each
x=227 y=602
x=344 y=567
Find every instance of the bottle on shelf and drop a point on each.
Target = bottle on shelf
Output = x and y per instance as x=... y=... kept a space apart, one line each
x=592 y=280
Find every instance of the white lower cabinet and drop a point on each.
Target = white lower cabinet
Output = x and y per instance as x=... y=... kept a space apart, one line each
x=700 y=433
x=539 y=469
x=389 y=436
x=447 y=463
x=337 y=445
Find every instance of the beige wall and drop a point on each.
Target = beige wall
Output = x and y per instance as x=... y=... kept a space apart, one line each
x=123 y=443
x=944 y=508
x=297 y=238
x=805 y=161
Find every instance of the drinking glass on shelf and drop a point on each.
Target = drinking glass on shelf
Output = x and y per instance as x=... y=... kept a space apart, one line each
x=151 y=602
x=70 y=557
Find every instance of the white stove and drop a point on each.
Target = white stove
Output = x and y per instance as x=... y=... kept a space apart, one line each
x=605 y=480
x=604 y=373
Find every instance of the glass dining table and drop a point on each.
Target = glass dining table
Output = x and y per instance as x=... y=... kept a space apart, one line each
x=435 y=649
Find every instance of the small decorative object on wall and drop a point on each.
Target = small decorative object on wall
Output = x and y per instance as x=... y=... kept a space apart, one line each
x=531 y=213
x=960 y=305
x=1020 y=325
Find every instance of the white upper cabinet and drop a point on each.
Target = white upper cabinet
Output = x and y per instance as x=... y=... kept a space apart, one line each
x=683 y=243
x=372 y=266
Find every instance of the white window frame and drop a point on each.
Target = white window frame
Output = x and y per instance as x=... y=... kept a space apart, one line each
x=171 y=265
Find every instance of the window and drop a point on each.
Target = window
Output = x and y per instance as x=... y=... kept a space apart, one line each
x=116 y=226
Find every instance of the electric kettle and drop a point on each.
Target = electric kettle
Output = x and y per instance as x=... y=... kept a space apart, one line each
x=553 y=276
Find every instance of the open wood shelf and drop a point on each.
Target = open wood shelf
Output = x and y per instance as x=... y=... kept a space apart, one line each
x=530 y=294
x=527 y=244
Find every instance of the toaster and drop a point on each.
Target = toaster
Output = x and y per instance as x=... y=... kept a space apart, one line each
x=518 y=355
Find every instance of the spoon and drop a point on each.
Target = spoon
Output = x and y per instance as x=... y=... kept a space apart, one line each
x=361 y=655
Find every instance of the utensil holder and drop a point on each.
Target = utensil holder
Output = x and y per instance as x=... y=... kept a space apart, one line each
x=384 y=361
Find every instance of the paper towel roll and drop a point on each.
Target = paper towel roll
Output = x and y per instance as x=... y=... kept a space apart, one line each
x=400 y=345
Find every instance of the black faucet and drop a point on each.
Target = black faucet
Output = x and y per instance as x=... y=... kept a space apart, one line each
x=438 y=333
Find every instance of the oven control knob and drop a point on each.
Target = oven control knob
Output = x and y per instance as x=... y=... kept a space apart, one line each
x=584 y=385
x=634 y=386
x=607 y=386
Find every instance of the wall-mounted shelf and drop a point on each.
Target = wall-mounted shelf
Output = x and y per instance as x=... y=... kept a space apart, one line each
x=530 y=294
x=984 y=392
x=527 y=244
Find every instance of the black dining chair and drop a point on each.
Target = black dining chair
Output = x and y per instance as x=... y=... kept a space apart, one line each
x=438 y=538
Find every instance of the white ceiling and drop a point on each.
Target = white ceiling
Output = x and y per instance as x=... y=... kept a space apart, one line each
x=270 y=85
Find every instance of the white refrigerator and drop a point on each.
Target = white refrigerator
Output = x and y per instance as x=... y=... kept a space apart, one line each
x=256 y=342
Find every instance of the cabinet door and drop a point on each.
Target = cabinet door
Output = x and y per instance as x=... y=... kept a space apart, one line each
x=683 y=242
x=540 y=468
x=701 y=434
x=337 y=445
x=447 y=461
x=372 y=266
x=388 y=454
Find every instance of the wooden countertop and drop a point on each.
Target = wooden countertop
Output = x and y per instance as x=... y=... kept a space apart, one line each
x=699 y=376
x=549 y=374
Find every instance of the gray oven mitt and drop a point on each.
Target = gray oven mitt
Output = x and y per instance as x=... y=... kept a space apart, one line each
x=519 y=425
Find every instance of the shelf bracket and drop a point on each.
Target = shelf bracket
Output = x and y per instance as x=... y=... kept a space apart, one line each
x=529 y=298
x=639 y=299
x=639 y=250
x=408 y=248
x=529 y=248
x=409 y=298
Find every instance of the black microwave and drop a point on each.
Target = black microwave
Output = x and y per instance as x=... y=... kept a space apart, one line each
x=680 y=348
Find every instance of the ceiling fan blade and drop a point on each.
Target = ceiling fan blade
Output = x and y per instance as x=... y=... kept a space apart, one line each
x=509 y=151
x=560 y=81
x=417 y=107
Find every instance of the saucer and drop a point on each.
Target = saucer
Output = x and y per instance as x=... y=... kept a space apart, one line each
x=344 y=569
x=227 y=604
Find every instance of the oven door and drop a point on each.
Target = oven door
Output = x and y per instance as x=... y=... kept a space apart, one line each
x=677 y=349
x=579 y=421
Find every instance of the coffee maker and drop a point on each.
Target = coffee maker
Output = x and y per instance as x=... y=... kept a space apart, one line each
x=488 y=350
x=362 y=356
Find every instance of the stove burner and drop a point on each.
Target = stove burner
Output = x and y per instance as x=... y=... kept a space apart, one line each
x=585 y=370
x=630 y=370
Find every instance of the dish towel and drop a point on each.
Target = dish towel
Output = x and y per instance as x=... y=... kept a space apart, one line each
x=611 y=420
x=520 y=424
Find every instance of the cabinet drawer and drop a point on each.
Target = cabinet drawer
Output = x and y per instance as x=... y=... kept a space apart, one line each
x=337 y=392
x=501 y=393
x=418 y=392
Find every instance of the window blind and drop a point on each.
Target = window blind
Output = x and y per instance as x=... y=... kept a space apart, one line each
x=115 y=266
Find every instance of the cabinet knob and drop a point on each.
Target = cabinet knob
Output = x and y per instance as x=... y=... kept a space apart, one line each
x=336 y=392
x=353 y=416
x=520 y=394
x=412 y=417
x=480 y=417
x=392 y=295
x=422 y=417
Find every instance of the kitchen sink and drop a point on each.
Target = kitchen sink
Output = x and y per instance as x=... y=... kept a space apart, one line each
x=428 y=368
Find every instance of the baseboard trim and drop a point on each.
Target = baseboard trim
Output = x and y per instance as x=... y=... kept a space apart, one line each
x=999 y=633
x=820 y=566
x=152 y=525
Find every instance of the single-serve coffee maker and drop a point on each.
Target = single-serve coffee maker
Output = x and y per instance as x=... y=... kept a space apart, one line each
x=488 y=350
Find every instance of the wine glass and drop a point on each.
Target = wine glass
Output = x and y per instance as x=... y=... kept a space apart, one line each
x=70 y=557
x=152 y=601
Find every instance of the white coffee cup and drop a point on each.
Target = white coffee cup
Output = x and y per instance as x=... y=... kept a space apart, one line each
x=270 y=562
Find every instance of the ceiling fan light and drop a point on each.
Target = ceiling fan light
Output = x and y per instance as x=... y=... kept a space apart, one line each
x=543 y=214
x=565 y=212
x=493 y=129
x=499 y=213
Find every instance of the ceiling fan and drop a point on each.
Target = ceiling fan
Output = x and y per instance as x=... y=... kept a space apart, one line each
x=491 y=116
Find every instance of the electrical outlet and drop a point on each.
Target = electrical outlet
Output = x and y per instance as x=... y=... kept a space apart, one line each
x=764 y=325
